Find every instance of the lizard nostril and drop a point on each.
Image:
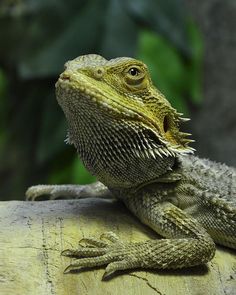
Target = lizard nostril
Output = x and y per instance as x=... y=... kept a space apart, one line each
x=65 y=76
x=98 y=73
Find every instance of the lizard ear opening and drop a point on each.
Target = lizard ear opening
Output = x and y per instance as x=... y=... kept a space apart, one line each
x=166 y=124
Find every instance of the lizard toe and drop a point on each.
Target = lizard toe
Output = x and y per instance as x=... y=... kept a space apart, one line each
x=84 y=252
x=92 y=242
x=111 y=237
x=88 y=263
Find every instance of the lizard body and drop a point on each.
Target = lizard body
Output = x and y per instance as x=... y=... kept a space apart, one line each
x=127 y=134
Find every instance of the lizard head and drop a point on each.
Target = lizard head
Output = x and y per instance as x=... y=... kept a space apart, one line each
x=112 y=105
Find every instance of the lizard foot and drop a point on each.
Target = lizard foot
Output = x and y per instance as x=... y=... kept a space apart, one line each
x=56 y=191
x=71 y=191
x=36 y=191
x=108 y=250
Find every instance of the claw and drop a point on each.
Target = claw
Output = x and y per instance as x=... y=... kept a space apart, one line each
x=107 y=274
x=67 y=270
x=67 y=253
x=109 y=270
x=70 y=269
x=115 y=266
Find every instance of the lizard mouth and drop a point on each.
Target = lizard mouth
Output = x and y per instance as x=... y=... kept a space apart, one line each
x=156 y=137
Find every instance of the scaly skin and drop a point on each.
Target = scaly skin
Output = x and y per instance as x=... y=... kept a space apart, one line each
x=127 y=134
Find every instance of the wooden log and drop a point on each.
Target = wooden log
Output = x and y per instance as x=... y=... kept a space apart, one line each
x=33 y=234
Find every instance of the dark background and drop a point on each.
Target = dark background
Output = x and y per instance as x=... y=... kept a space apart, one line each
x=190 y=51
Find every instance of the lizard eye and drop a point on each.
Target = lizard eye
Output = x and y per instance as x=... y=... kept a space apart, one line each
x=134 y=71
x=135 y=76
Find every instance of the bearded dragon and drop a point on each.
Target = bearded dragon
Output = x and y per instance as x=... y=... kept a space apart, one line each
x=128 y=135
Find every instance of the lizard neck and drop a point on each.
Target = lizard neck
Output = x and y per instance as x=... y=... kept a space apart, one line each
x=115 y=156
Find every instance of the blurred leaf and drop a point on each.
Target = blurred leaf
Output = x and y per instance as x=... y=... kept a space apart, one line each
x=120 y=32
x=60 y=170
x=48 y=33
x=68 y=168
x=52 y=130
x=165 y=17
x=195 y=67
x=78 y=36
x=80 y=174
x=4 y=109
x=3 y=98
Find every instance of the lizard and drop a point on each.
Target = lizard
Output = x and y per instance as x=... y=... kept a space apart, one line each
x=128 y=135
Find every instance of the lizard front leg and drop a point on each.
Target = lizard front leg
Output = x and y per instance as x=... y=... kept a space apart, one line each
x=186 y=244
x=94 y=190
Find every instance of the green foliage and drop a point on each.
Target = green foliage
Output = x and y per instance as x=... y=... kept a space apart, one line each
x=164 y=17
x=3 y=110
x=80 y=174
x=195 y=65
x=37 y=37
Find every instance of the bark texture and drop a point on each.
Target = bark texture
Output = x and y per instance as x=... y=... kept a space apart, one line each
x=33 y=234
x=214 y=124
